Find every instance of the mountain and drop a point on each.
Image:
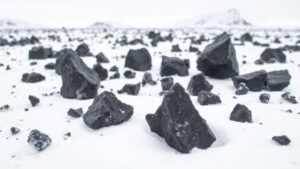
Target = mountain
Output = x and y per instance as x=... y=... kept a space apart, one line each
x=228 y=18
x=17 y=24
x=106 y=25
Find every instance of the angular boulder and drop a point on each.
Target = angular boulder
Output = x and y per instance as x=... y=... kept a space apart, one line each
x=218 y=60
x=83 y=50
x=264 y=98
x=39 y=140
x=33 y=100
x=287 y=96
x=139 y=60
x=197 y=84
x=131 y=89
x=101 y=58
x=271 y=55
x=40 y=53
x=148 y=79
x=107 y=110
x=78 y=80
x=179 y=123
x=32 y=77
x=208 y=98
x=241 y=113
x=173 y=66
x=278 y=80
x=255 y=81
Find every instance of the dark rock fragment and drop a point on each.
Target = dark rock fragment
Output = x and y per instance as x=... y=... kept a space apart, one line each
x=197 y=84
x=241 y=113
x=208 y=98
x=39 y=140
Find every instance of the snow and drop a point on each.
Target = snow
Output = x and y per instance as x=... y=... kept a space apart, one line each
x=131 y=145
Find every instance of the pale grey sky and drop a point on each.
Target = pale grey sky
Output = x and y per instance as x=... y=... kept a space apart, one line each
x=75 y=13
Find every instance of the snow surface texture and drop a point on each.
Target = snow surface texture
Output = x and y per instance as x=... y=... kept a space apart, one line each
x=131 y=145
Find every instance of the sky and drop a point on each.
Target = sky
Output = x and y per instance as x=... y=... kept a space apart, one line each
x=146 y=13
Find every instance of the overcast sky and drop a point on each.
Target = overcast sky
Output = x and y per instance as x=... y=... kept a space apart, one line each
x=74 y=13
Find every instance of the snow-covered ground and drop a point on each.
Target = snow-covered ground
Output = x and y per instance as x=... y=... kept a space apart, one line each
x=132 y=145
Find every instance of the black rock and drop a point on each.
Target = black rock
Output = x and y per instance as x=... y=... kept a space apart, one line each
x=218 y=60
x=83 y=50
x=259 y=62
x=255 y=81
x=78 y=80
x=33 y=63
x=148 y=79
x=175 y=48
x=4 y=107
x=101 y=58
x=167 y=83
x=139 y=60
x=39 y=140
x=289 y=98
x=50 y=66
x=32 y=77
x=282 y=140
x=114 y=69
x=179 y=123
x=241 y=113
x=242 y=89
x=101 y=71
x=193 y=49
x=271 y=55
x=33 y=100
x=116 y=75
x=208 y=98
x=264 y=98
x=197 y=84
x=40 y=53
x=14 y=130
x=75 y=112
x=129 y=74
x=173 y=66
x=246 y=37
x=278 y=80
x=131 y=89
x=107 y=110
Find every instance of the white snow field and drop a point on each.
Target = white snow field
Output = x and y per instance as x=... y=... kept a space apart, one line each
x=131 y=145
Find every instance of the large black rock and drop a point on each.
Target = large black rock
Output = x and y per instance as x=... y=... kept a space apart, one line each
x=197 y=84
x=107 y=110
x=78 y=80
x=32 y=77
x=278 y=80
x=83 y=50
x=218 y=60
x=40 y=53
x=179 y=123
x=139 y=60
x=271 y=55
x=255 y=81
x=173 y=66
x=241 y=113
x=39 y=140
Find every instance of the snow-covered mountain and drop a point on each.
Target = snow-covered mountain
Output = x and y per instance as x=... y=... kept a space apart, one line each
x=228 y=18
x=17 y=24
x=106 y=25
